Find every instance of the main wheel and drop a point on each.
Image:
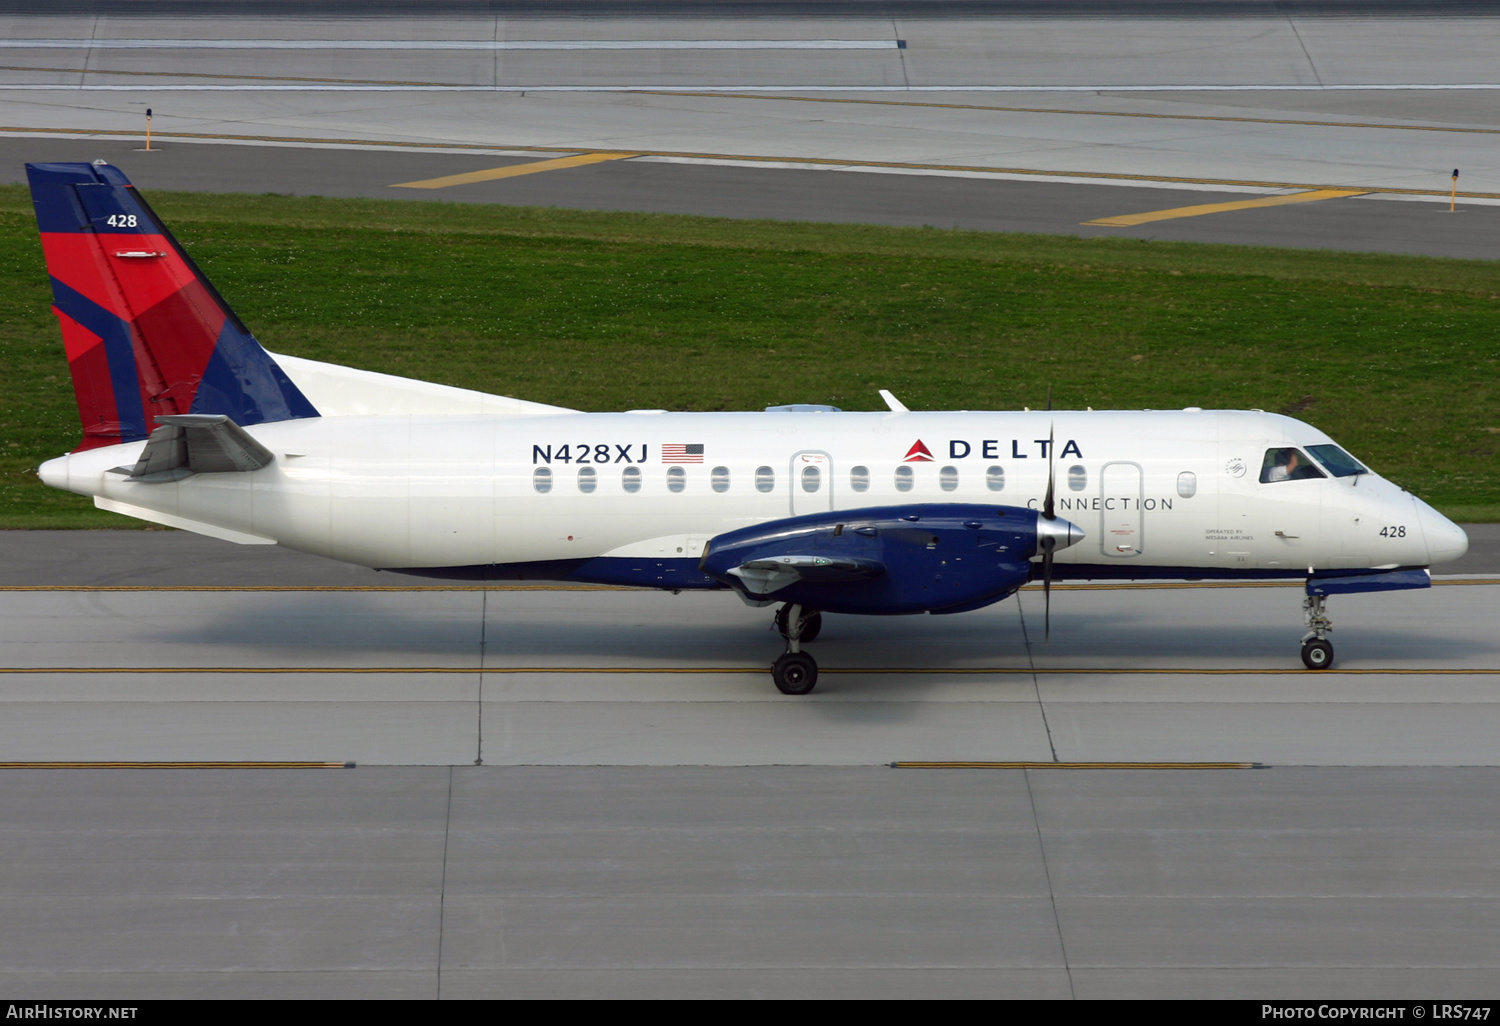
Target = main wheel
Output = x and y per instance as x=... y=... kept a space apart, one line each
x=795 y=673
x=1317 y=654
x=811 y=625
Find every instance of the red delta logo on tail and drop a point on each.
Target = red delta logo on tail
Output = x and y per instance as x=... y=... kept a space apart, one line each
x=918 y=453
x=145 y=332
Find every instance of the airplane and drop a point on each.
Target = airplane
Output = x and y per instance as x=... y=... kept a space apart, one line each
x=188 y=422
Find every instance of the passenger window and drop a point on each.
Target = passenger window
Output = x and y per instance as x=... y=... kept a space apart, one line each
x=630 y=479
x=994 y=479
x=904 y=479
x=765 y=479
x=812 y=479
x=859 y=479
x=1287 y=465
x=541 y=480
x=1078 y=478
x=587 y=480
x=720 y=479
x=948 y=479
x=1187 y=484
x=676 y=479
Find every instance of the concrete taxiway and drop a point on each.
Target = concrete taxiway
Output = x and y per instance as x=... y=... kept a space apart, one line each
x=1000 y=121
x=652 y=819
x=424 y=882
x=841 y=193
x=539 y=676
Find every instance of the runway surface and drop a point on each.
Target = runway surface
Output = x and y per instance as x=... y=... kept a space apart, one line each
x=772 y=882
x=1005 y=121
x=378 y=669
x=650 y=817
x=632 y=834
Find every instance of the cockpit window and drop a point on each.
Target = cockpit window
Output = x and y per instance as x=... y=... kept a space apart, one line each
x=1338 y=462
x=1287 y=465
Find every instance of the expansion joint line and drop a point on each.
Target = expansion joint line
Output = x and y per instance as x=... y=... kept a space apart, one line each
x=1292 y=23
x=88 y=54
x=900 y=54
x=1035 y=681
x=495 y=54
x=484 y=619
x=1041 y=845
x=443 y=880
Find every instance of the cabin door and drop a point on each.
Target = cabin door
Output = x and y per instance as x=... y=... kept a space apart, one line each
x=1121 y=491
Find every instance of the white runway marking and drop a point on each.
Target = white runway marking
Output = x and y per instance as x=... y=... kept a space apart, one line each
x=451 y=44
x=319 y=87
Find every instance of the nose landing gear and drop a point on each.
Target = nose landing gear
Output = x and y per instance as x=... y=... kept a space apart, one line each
x=809 y=622
x=1317 y=650
x=795 y=672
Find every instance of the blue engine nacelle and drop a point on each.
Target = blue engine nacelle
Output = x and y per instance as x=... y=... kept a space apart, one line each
x=935 y=557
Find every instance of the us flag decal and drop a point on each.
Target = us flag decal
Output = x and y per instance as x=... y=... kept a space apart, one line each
x=677 y=452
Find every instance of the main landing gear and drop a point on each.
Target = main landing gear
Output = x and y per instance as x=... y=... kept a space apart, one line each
x=1317 y=650
x=796 y=672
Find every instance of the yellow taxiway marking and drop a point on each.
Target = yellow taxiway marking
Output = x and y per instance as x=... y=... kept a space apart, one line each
x=176 y=765
x=1127 y=220
x=1033 y=586
x=962 y=671
x=512 y=170
x=1078 y=765
x=1029 y=172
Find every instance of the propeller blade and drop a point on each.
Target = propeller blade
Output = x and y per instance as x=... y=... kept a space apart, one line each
x=1047 y=547
x=1049 y=397
x=1047 y=508
x=1049 y=513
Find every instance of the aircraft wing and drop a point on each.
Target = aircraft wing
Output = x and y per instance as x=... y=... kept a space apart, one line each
x=922 y=557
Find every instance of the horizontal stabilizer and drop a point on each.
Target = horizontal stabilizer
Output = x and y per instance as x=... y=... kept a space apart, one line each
x=197 y=443
x=764 y=576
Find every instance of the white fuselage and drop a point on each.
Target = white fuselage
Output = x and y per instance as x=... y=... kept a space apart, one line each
x=1152 y=490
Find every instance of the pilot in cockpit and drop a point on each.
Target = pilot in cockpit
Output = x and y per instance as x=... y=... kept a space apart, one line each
x=1287 y=465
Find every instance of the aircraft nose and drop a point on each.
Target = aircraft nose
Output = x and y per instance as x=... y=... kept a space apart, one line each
x=1062 y=532
x=1446 y=541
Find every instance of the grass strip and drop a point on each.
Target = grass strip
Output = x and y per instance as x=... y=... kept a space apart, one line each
x=1395 y=356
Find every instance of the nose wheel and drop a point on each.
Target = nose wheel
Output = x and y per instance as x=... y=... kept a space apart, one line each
x=1317 y=650
x=795 y=672
x=1317 y=655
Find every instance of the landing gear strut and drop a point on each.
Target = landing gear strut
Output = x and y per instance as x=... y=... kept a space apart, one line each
x=1317 y=650
x=796 y=672
x=808 y=626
